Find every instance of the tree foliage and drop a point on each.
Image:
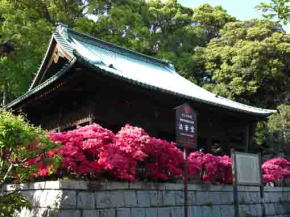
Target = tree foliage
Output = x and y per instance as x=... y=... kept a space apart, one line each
x=12 y=202
x=211 y=19
x=249 y=62
x=27 y=24
x=279 y=9
x=279 y=126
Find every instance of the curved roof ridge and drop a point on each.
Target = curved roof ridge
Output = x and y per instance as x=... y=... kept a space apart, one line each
x=110 y=46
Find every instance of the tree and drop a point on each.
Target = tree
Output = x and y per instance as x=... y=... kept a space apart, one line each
x=211 y=19
x=279 y=127
x=207 y=23
x=27 y=24
x=19 y=144
x=249 y=62
x=279 y=9
x=156 y=28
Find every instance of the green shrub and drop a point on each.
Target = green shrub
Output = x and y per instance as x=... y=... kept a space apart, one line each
x=19 y=143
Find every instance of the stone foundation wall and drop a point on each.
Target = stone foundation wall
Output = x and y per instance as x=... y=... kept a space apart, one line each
x=140 y=199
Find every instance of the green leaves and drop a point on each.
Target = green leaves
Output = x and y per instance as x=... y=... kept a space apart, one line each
x=279 y=9
x=11 y=202
x=279 y=127
x=20 y=142
x=28 y=25
x=212 y=19
x=249 y=62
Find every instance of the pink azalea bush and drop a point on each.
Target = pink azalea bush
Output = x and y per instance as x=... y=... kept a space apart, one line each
x=131 y=154
x=275 y=170
x=214 y=169
x=93 y=151
x=82 y=147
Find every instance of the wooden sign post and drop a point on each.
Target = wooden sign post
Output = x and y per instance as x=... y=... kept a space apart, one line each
x=186 y=137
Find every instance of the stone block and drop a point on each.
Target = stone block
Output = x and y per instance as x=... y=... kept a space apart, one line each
x=192 y=198
x=40 y=198
x=86 y=200
x=227 y=210
x=41 y=212
x=123 y=212
x=136 y=185
x=143 y=198
x=179 y=198
x=109 y=199
x=202 y=198
x=156 y=198
x=254 y=209
x=174 y=186
x=68 y=213
x=215 y=197
x=285 y=207
x=258 y=208
x=28 y=194
x=117 y=185
x=269 y=209
x=68 y=199
x=117 y=198
x=50 y=185
x=211 y=211
x=38 y=185
x=274 y=197
x=284 y=197
x=103 y=199
x=168 y=198
x=177 y=211
x=193 y=211
x=150 y=212
x=226 y=198
x=130 y=198
x=277 y=208
x=138 y=212
x=90 y=213
x=219 y=188
x=206 y=211
x=107 y=213
x=70 y=185
x=243 y=197
x=254 y=197
x=245 y=210
x=54 y=199
x=164 y=212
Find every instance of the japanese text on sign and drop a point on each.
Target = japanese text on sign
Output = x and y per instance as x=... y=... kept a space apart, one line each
x=185 y=125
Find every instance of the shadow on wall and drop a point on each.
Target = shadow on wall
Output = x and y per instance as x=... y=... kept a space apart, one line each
x=48 y=202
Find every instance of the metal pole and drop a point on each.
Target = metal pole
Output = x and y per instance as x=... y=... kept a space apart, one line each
x=185 y=182
x=235 y=186
x=262 y=186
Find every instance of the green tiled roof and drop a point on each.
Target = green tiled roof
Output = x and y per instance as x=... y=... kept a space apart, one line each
x=140 y=69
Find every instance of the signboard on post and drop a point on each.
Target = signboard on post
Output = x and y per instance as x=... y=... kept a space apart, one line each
x=186 y=136
x=186 y=126
x=247 y=168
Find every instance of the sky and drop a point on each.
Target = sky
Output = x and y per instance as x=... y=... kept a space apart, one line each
x=241 y=9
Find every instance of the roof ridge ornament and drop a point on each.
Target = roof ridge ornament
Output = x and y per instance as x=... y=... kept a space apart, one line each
x=62 y=30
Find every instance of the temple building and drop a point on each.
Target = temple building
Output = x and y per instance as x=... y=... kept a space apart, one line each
x=83 y=79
